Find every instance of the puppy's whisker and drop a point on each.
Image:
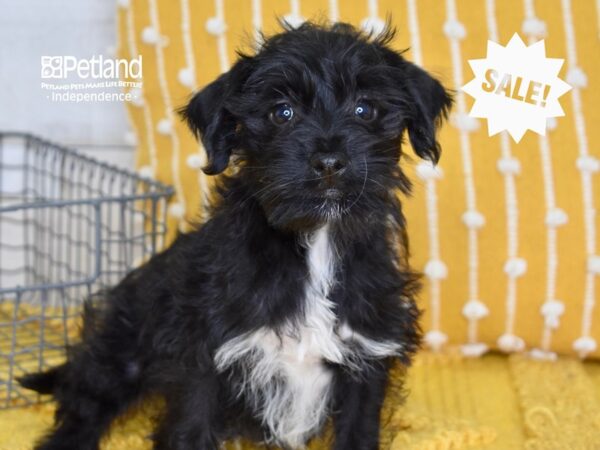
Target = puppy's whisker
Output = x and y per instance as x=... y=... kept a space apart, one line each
x=253 y=167
x=377 y=183
x=345 y=211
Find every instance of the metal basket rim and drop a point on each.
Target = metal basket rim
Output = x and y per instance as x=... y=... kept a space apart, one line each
x=158 y=189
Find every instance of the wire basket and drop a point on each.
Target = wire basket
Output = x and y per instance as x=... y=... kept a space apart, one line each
x=69 y=226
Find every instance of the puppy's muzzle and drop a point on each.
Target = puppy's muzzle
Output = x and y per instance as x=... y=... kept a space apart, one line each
x=329 y=166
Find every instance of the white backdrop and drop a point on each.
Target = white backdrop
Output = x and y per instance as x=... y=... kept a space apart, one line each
x=82 y=28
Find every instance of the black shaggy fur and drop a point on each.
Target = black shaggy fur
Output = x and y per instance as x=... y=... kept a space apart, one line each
x=245 y=268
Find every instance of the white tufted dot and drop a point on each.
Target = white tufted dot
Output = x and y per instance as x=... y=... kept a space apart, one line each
x=509 y=165
x=176 y=210
x=130 y=138
x=435 y=339
x=464 y=122
x=137 y=98
x=123 y=3
x=534 y=27
x=551 y=123
x=373 y=25
x=150 y=35
x=294 y=20
x=584 y=345
x=454 y=29
x=194 y=161
x=436 y=269
x=552 y=310
x=216 y=26
x=543 y=355
x=576 y=77
x=164 y=126
x=474 y=309
x=186 y=77
x=473 y=219
x=426 y=170
x=515 y=267
x=510 y=343
x=556 y=217
x=588 y=164
x=593 y=264
x=474 y=350
x=146 y=172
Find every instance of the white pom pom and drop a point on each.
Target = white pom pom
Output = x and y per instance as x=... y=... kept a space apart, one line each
x=474 y=309
x=435 y=339
x=584 y=345
x=510 y=343
x=176 y=210
x=194 y=161
x=436 y=269
x=146 y=172
x=552 y=310
x=373 y=25
x=137 y=99
x=130 y=138
x=473 y=350
x=576 y=77
x=164 y=126
x=593 y=264
x=556 y=217
x=509 y=165
x=427 y=171
x=123 y=3
x=588 y=164
x=150 y=35
x=473 y=219
x=294 y=20
x=186 y=77
x=464 y=122
x=534 y=27
x=515 y=267
x=216 y=26
x=551 y=123
x=454 y=29
x=543 y=355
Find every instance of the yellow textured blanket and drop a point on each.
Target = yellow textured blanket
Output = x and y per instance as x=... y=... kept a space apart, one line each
x=496 y=402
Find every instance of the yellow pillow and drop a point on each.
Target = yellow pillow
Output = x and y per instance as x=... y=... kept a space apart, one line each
x=505 y=232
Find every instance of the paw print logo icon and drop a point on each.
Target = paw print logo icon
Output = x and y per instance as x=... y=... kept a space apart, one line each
x=52 y=67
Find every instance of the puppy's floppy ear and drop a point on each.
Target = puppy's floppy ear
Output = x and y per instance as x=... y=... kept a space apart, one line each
x=209 y=115
x=430 y=103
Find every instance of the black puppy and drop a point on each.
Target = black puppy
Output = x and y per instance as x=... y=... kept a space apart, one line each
x=289 y=304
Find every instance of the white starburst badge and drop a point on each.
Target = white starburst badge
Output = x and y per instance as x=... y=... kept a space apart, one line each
x=516 y=88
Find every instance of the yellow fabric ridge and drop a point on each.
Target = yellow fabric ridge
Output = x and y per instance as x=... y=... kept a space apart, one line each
x=494 y=402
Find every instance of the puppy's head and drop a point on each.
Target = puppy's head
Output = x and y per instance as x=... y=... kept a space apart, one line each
x=316 y=118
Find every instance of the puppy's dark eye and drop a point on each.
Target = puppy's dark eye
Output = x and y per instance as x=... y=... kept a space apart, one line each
x=281 y=114
x=365 y=110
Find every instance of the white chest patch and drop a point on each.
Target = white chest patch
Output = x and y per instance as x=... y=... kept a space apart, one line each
x=284 y=375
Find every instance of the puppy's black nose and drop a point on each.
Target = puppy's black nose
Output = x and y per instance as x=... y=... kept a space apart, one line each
x=328 y=164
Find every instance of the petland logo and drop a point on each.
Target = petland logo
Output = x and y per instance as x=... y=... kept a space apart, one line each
x=97 y=67
x=97 y=79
